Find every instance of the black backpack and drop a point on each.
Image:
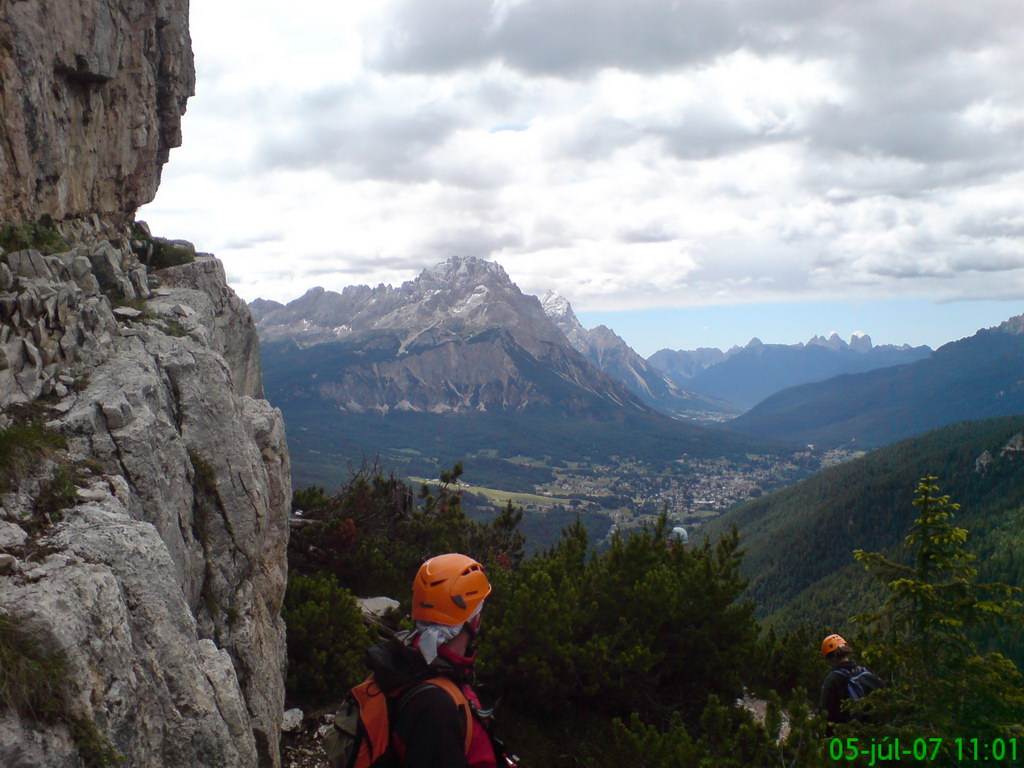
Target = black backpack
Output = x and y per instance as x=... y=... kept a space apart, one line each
x=860 y=681
x=361 y=732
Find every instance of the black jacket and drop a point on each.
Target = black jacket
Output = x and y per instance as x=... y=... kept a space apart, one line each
x=833 y=691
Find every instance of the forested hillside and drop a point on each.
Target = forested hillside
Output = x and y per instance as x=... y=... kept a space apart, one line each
x=798 y=541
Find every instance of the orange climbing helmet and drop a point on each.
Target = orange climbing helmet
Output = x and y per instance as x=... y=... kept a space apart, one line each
x=831 y=644
x=448 y=589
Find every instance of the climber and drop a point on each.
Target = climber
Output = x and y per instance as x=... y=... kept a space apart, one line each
x=847 y=680
x=435 y=718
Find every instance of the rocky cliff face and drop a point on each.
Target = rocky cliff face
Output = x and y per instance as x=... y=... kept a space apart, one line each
x=91 y=98
x=160 y=576
x=144 y=482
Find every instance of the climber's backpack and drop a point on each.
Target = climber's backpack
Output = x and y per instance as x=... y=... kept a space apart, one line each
x=361 y=732
x=860 y=681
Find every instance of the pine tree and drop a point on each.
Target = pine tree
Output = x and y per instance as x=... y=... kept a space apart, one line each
x=326 y=639
x=942 y=686
x=642 y=627
x=373 y=536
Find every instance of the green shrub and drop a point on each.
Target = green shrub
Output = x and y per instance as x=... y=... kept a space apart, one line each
x=174 y=328
x=38 y=235
x=644 y=627
x=205 y=474
x=57 y=494
x=327 y=639
x=942 y=684
x=93 y=747
x=373 y=536
x=158 y=252
x=118 y=299
x=170 y=253
x=22 y=445
x=33 y=681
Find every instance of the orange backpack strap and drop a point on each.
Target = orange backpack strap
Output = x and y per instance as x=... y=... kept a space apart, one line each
x=373 y=712
x=461 y=702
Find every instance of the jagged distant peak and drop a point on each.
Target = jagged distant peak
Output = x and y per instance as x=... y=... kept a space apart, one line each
x=555 y=305
x=559 y=311
x=604 y=330
x=262 y=303
x=461 y=269
x=459 y=293
x=754 y=343
x=860 y=342
x=260 y=308
x=1014 y=325
x=558 y=308
x=833 y=342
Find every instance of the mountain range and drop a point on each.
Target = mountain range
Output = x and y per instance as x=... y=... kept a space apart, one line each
x=463 y=339
x=744 y=376
x=452 y=302
x=370 y=371
x=978 y=377
x=460 y=337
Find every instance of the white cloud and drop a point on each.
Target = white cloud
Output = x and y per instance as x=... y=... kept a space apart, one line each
x=651 y=152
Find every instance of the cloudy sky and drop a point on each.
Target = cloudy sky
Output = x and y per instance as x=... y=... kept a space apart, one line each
x=689 y=172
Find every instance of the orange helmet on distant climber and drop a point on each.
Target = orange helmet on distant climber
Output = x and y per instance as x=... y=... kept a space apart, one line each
x=831 y=644
x=448 y=589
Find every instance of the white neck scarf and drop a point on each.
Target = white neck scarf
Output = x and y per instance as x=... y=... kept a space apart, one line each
x=433 y=636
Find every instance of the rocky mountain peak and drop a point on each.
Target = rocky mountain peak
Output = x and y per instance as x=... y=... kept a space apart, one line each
x=461 y=293
x=861 y=342
x=471 y=289
x=833 y=342
x=464 y=272
x=561 y=313
x=262 y=307
x=557 y=307
x=610 y=353
x=1014 y=325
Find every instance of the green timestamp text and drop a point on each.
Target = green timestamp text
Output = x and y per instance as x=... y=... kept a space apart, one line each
x=924 y=749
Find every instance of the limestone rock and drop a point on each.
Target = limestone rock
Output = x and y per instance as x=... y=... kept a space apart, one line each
x=377 y=606
x=983 y=462
x=198 y=293
x=1014 y=446
x=292 y=720
x=91 y=93
x=162 y=582
x=182 y=537
x=126 y=313
x=11 y=536
x=116 y=614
